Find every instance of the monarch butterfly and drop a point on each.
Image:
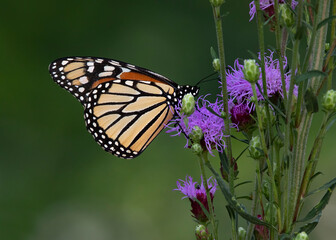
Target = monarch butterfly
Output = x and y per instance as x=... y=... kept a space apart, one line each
x=125 y=106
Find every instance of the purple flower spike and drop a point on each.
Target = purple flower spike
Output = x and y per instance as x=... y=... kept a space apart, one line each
x=268 y=7
x=212 y=126
x=240 y=90
x=193 y=190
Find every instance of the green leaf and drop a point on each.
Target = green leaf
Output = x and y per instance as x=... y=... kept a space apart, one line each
x=325 y=21
x=330 y=124
x=241 y=153
x=234 y=204
x=322 y=188
x=309 y=227
x=207 y=214
x=285 y=236
x=308 y=75
x=224 y=162
x=240 y=140
x=317 y=210
x=231 y=212
x=311 y=101
x=242 y=183
x=213 y=53
x=245 y=197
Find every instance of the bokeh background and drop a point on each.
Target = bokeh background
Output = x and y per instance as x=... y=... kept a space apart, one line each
x=56 y=183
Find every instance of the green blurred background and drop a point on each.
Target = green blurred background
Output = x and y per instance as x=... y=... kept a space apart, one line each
x=56 y=183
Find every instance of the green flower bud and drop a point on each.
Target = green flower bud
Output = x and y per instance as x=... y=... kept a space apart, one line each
x=254 y=148
x=329 y=100
x=202 y=233
x=241 y=233
x=268 y=209
x=216 y=64
x=286 y=15
x=326 y=47
x=196 y=148
x=188 y=104
x=251 y=70
x=223 y=114
x=217 y=3
x=301 y=236
x=196 y=134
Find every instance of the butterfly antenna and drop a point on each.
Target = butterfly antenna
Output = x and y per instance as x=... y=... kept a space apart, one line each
x=200 y=81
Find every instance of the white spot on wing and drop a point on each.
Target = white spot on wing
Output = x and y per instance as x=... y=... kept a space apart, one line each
x=105 y=74
x=83 y=80
x=109 y=68
x=90 y=69
x=64 y=62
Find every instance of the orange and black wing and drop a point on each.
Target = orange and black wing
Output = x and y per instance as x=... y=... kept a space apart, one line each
x=126 y=106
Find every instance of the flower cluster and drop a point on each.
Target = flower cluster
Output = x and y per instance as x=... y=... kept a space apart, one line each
x=207 y=116
x=240 y=90
x=268 y=7
x=193 y=190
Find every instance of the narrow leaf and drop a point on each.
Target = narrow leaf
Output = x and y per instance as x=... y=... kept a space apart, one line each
x=213 y=53
x=224 y=161
x=322 y=188
x=325 y=21
x=203 y=208
x=242 y=183
x=311 y=101
x=308 y=75
x=240 y=140
x=309 y=227
x=234 y=203
x=320 y=206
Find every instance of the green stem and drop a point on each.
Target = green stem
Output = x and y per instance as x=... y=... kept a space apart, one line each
x=202 y=159
x=227 y=132
x=312 y=160
x=316 y=62
x=287 y=149
x=221 y=53
x=273 y=188
x=254 y=205
x=332 y=38
x=279 y=48
x=260 y=28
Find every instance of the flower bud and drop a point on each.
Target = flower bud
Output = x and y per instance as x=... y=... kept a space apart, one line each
x=241 y=233
x=251 y=70
x=329 y=100
x=254 y=148
x=268 y=209
x=326 y=47
x=202 y=233
x=216 y=64
x=196 y=134
x=196 y=148
x=301 y=236
x=217 y=3
x=286 y=15
x=188 y=104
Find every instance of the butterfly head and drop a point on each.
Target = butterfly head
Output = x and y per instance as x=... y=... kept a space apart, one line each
x=185 y=89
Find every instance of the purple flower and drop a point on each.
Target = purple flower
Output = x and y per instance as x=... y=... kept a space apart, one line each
x=212 y=125
x=268 y=7
x=240 y=90
x=261 y=232
x=240 y=115
x=194 y=190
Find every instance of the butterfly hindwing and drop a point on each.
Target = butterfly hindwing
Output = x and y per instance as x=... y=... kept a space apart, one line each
x=124 y=116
